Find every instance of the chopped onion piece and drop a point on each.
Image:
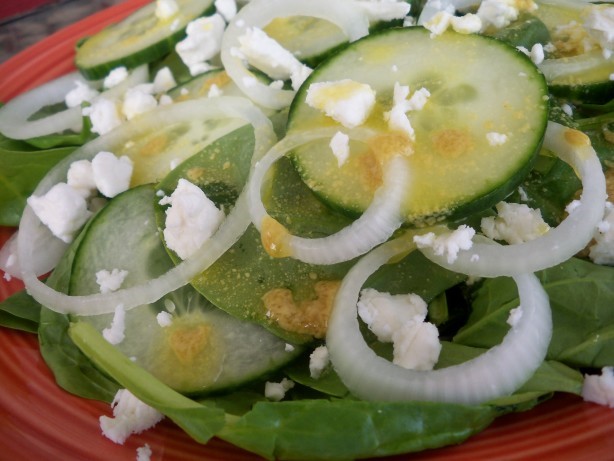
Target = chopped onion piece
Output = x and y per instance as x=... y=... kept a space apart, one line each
x=343 y=13
x=374 y=226
x=36 y=243
x=495 y=373
x=487 y=259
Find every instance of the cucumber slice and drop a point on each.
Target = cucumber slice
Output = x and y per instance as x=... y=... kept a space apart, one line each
x=571 y=71
x=204 y=349
x=140 y=38
x=478 y=86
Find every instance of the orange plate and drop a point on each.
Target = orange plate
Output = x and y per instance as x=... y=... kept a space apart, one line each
x=40 y=421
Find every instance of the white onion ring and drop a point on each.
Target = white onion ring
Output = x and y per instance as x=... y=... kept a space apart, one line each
x=35 y=242
x=496 y=373
x=558 y=244
x=374 y=226
x=14 y=115
x=343 y=13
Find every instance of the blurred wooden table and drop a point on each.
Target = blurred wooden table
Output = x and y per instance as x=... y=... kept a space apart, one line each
x=25 y=22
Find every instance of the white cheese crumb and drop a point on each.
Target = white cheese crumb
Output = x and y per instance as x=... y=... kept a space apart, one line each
x=266 y=54
x=318 y=361
x=214 y=91
x=166 y=9
x=400 y=319
x=496 y=139
x=191 y=219
x=115 y=77
x=439 y=23
x=138 y=100
x=340 y=145
x=227 y=8
x=514 y=223
x=383 y=312
x=536 y=53
x=163 y=81
x=515 y=316
x=600 y=388
x=143 y=453
x=130 y=416
x=448 y=244
x=572 y=206
x=80 y=177
x=602 y=251
x=346 y=101
x=599 y=23
x=165 y=100
x=109 y=281
x=202 y=43
x=384 y=10
x=115 y=333
x=397 y=116
x=62 y=209
x=103 y=114
x=497 y=13
x=289 y=347
x=111 y=174
x=523 y=194
x=164 y=319
x=277 y=391
x=467 y=24
x=81 y=93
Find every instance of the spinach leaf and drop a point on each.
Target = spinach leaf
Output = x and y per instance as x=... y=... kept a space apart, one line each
x=21 y=312
x=349 y=429
x=581 y=298
x=21 y=169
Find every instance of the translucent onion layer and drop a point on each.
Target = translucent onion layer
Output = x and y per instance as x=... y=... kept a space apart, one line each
x=496 y=373
x=37 y=247
x=373 y=227
x=558 y=244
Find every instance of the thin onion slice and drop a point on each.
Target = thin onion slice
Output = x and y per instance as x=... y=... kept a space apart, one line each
x=15 y=115
x=36 y=243
x=558 y=244
x=343 y=13
x=496 y=373
x=374 y=226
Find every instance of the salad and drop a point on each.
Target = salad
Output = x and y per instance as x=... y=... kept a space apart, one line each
x=379 y=226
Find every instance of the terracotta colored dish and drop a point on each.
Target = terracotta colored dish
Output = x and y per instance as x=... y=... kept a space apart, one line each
x=40 y=421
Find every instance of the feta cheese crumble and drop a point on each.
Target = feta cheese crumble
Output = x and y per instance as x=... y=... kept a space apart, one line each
x=496 y=139
x=602 y=251
x=143 y=453
x=81 y=177
x=191 y=219
x=110 y=281
x=400 y=319
x=103 y=114
x=227 y=8
x=164 y=319
x=277 y=391
x=397 y=118
x=600 y=388
x=384 y=10
x=163 y=81
x=166 y=9
x=115 y=77
x=138 y=100
x=202 y=43
x=318 y=361
x=81 y=93
x=62 y=209
x=448 y=244
x=514 y=223
x=599 y=23
x=115 y=333
x=266 y=54
x=340 y=145
x=345 y=101
x=111 y=173
x=130 y=416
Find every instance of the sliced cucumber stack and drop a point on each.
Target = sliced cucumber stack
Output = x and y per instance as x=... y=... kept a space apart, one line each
x=140 y=38
x=456 y=167
x=203 y=349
